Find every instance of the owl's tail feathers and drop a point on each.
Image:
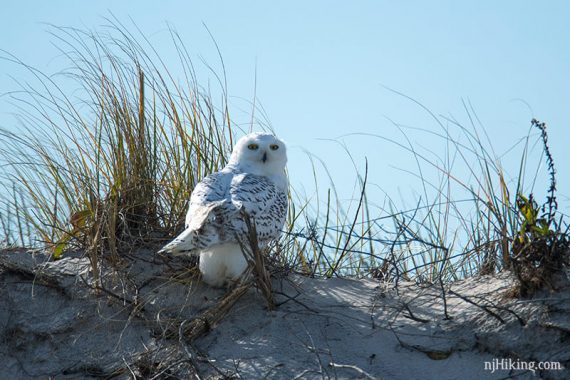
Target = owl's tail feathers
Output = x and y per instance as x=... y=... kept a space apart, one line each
x=183 y=244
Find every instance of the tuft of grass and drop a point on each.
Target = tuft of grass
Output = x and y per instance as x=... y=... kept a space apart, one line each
x=112 y=168
x=465 y=220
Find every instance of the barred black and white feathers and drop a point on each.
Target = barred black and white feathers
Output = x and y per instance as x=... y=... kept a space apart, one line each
x=253 y=181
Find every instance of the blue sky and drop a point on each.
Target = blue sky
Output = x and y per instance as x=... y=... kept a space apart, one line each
x=323 y=69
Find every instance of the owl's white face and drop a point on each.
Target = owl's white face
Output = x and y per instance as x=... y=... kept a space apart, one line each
x=260 y=153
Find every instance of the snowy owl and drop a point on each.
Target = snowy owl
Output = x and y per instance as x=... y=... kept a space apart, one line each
x=254 y=180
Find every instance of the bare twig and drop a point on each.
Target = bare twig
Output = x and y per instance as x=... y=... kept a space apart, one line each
x=354 y=368
x=484 y=307
x=411 y=315
x=256 y=260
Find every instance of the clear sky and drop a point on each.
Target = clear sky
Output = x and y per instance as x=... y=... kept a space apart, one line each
x=321 y=70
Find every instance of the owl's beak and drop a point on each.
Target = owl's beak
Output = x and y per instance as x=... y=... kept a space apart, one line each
x=264 y=158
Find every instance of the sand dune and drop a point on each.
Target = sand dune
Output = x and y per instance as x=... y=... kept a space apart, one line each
x=54 y=322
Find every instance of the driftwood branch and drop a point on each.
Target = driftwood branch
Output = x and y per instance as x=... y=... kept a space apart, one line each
x=209 y=318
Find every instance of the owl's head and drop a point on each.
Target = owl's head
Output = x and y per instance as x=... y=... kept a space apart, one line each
x=259 y=153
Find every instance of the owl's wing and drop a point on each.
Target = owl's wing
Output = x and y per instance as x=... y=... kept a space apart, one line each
x=209 y=193
x=201 y=227
x=263 y=201
x=214 y=215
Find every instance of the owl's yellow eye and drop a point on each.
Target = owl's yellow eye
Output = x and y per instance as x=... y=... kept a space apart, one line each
x=273 y=146
x=252 y=146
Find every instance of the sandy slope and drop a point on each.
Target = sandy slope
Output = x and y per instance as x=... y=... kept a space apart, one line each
x=54 y=324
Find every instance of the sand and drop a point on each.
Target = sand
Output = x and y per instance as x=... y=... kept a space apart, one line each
x=56 y=323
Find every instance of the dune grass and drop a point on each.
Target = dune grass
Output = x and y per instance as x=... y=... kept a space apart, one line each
x=109 y=167
x=114 y=166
